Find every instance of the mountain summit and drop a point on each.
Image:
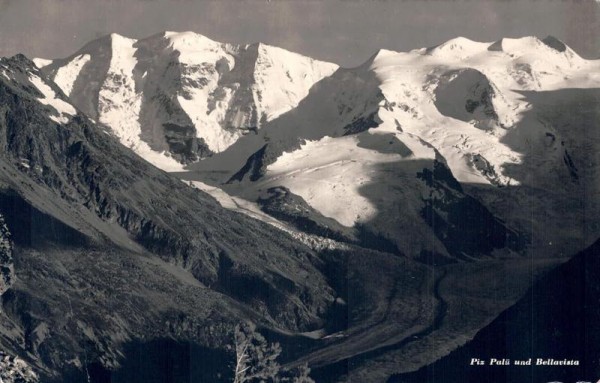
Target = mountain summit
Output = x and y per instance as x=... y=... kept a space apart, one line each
x=248 y=119
x=407 y=202
x=176 y=97
x=485 y=111
x=89 y=228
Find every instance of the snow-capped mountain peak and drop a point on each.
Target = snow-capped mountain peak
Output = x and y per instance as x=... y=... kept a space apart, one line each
x=457 y=48
x=178 y=96
x=189 y=38
x=21 y=72
x=464 y=104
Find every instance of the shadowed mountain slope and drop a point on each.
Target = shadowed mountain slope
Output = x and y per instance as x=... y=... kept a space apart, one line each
x=556 y=319
x=104 y=222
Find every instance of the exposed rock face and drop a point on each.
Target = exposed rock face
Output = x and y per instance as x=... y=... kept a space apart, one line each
x=6 y=261
x=467 y=95
x=555 y=43
x=78 y=166
x=15 y=370
x=284 y=205
x=556 y=319
x=462 y=223
x=398 y=147
x=71 y=192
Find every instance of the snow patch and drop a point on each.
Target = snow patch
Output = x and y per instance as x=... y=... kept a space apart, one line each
x=226 y=90
x=293 y=75
x=161 y=160
x=119 y=103
x=251 y=209
x=329 y=180
x=199 y=56
x=67 y=74
x=41 y=63
x=63 y=109
x=409 y=82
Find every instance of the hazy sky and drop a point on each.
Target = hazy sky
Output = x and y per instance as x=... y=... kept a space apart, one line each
x=343 y=31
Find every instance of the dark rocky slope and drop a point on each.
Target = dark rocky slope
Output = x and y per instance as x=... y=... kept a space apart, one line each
x=6 y=260
x=82 y=209
x=115 y=259
x=556 y=319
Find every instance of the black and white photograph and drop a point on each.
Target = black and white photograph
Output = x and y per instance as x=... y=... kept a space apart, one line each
x=299 y=191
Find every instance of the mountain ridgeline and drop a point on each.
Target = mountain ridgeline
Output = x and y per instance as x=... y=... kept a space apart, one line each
x=182 y=93
x=155 y=193
x=67 y=184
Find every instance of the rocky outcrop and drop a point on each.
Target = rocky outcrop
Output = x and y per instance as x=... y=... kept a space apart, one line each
x=555 y=43
x=6 y=262
x=86 y=167
x=15 y=370
x=464 y=225
x=72 y=190
x=284 y=205
x=467 y=95
x=555 y=320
